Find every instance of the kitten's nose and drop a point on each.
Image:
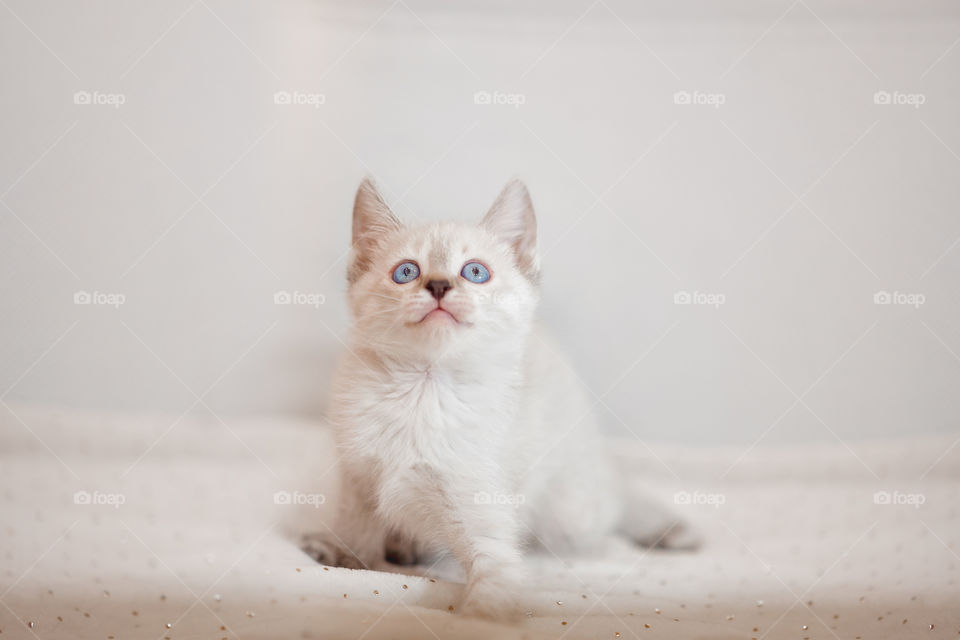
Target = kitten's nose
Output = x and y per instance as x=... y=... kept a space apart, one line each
x=438 y=288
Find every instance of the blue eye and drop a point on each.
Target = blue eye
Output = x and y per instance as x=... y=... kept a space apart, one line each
x=406 y=272
x=475 y=272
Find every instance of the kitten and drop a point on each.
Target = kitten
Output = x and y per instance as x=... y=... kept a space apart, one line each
x=458 y=427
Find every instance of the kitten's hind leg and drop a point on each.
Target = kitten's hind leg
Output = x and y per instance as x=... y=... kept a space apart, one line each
x=402 y=550
x=650 y=524
x=357 y=538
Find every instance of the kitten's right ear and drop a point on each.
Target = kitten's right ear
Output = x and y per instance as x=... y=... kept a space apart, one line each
x=372 y=220
x=511 y=219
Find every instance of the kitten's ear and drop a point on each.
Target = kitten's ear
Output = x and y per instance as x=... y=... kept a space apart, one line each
x=372 y=220
x=511 y=219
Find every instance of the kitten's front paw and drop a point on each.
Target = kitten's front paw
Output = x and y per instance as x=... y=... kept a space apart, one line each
x=326 y=549
x=490 y=598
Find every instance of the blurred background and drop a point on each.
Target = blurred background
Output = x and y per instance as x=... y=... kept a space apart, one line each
x=748 y=215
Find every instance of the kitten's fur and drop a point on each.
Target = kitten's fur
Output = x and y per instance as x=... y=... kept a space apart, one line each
x=444 y=425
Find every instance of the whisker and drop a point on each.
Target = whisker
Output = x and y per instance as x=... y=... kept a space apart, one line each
x=380 y=295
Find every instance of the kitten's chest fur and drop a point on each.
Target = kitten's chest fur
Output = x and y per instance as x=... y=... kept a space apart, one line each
x=434 y=415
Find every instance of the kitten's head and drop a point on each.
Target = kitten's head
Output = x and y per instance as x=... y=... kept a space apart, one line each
x=443 y=288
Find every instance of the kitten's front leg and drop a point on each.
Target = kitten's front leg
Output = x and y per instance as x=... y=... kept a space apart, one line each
x=481 y=534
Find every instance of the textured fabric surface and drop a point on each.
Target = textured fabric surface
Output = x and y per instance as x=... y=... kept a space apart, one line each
x=180 y=523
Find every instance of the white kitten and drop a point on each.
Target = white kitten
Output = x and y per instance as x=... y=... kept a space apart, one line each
x=458 y=426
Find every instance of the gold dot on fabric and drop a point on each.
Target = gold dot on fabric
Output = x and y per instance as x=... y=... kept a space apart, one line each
x=646 y=626
x=376 y=592
x=616 y=634
x=405 y=587
x=168 y=626
x=344 y=595
x=299 y=569
x=563 y=622
x=450 y=608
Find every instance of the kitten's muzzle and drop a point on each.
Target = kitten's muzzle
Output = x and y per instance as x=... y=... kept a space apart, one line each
x=438 y=288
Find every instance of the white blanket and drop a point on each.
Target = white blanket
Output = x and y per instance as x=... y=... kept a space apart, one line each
x=180 y=523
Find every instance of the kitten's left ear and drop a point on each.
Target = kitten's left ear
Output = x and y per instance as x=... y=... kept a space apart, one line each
x=511 y=219
x=372 y=221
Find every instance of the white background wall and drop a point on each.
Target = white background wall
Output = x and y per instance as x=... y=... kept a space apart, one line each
x=199 y=197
